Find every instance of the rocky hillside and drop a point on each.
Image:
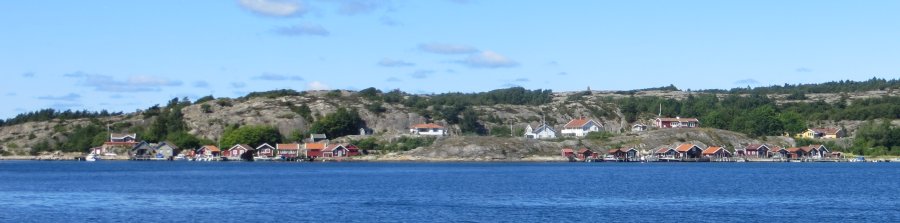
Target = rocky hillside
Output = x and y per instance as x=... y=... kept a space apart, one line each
x=481 y=148
x=295 y=113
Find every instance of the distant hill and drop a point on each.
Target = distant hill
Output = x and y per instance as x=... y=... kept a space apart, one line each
x=753 y=113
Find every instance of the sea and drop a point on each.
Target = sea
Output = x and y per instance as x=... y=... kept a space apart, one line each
x=166 y=191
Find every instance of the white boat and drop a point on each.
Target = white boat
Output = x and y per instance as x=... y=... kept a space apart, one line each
x=91 y=157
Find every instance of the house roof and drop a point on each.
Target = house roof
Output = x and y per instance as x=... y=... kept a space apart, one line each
x=754 y=147
x=663 y=150
x=289 y=146
x=119 y=143
x=264 y=145
x=245 y=146
x=426 y=126
x=583 y=150
x=827 y=131
x=332 y=147
x=684 y=147
x=315 y=146
x=577 y=123
x=542 y=127
x=794 y=149
x=567 y=150
x=678 y=119
x=211 y=148
x=712 y=150
x=170 y=144
x=122 y=135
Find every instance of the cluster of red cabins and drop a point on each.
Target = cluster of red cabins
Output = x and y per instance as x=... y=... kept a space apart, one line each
x=288 y=151
x=691 y=152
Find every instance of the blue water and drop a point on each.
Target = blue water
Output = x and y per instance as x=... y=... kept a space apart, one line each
x=34 y=191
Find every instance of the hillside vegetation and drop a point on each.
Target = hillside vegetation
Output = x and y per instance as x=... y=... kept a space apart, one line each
x=754 y=114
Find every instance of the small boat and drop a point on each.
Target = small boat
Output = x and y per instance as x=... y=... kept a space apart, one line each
x=91 y=157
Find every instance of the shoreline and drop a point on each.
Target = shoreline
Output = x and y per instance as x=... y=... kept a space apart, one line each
x=413 y=159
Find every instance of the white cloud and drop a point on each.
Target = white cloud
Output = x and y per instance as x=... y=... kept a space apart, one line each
x=443 y=48
x=201 y=84
x=353 y=7
x=276 y=8
x=68 y=97
x=302 y=30
x=746 y=82
x=277 y=77
x=139 y=83
x=488 y=59
x=421 y=74
x=388 y=62
x=317 y=86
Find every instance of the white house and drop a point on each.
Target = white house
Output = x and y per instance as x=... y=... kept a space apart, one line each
x=581 y=127
x=543 y=131
x=429 y=129
x=638 y=127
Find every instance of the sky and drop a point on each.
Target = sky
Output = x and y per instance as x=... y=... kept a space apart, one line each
x=129 y=55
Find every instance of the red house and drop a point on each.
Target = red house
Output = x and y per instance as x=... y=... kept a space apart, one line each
x=235 y=151
x=313 y=150
x=688 y=151
x=757 y=150
x=585 y=153
x=352 y=150
x=287 y=150
x=336 y=150
x=677 y=122
x=265 y=150
x=716 y=152
x=568 y=152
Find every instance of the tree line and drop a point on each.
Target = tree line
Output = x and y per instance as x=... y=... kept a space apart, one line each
x=51 y=114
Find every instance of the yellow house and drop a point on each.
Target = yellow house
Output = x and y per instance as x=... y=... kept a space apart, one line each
x=822 y=133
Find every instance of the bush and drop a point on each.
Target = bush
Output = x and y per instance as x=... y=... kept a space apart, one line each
x=376 y=108
x=501 y=131
x=206 y=108
x=253 y=135
x=601 y=135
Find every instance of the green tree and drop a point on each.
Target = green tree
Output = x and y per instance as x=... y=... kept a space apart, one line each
x=253 y=135
x=469 y=123
x=340 y=123
x=793 y=123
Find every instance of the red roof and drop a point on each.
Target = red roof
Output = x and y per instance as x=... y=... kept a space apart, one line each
x=663 y=150
x=426 y=126
x=567 y=150
x=583 y=150
x=711 y=150
x=684 y=147
x=577 y=123
x=330 y=148
x=794 y=149
x=291 y=146
x=315 y=146
x=211 y=148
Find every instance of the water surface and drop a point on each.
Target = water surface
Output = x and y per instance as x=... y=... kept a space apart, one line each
x=109 y=191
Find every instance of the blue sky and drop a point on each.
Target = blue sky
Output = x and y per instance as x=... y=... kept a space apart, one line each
x=126 y=55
